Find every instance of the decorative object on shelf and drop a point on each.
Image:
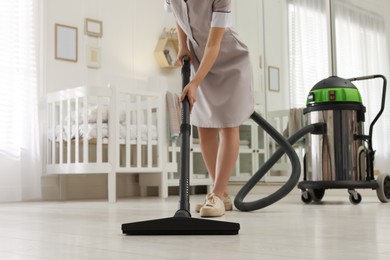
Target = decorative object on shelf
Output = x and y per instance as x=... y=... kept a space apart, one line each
x=93 y=27
x=93 y=56
x=273 y=78
x=167 y=48
x=66 y=43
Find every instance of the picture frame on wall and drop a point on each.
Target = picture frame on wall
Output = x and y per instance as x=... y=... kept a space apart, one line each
x=93 y=27
x=93 y=57
x=273 y=79
x=66 y=46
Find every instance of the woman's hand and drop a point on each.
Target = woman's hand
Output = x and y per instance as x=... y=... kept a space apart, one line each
x=183 y=47
x=190 y=92
x=182 y=53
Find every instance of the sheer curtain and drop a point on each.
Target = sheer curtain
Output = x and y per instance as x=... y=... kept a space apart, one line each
x=361 y=48
x=308 y=47
x=19 y=123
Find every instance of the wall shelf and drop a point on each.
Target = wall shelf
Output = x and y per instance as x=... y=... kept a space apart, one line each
x=166 y=50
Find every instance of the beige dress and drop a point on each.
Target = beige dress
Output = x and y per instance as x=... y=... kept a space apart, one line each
x=225 y=97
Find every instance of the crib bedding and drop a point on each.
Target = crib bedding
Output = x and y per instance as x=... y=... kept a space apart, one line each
x=90 y=131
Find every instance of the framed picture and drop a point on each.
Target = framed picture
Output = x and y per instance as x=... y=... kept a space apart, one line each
x=66 y=43
x=273 y=78
x=93 y=27
x=93 y=57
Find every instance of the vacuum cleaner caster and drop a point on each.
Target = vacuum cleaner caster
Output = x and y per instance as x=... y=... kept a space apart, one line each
x=317 y=194
x=354 y=197
x=306 y=197
x=310 y=195
x=383 y=191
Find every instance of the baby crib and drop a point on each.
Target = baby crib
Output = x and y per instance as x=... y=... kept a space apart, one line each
x=95 y=130
x=286 y=122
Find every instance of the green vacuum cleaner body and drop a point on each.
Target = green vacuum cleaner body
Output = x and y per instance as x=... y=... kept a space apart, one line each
x=339 y=153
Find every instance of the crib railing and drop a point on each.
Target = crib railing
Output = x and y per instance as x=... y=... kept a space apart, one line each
x=68 y=115
x=100 y=129
x=280 y=120
x=143 y=109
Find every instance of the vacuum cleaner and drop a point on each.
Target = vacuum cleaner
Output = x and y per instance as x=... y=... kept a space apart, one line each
x=343 y=156
x=338 y=154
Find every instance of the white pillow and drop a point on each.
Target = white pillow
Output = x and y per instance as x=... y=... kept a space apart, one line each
x=92 y=114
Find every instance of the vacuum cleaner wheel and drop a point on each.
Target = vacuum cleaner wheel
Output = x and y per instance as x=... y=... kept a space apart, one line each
x=383 y=191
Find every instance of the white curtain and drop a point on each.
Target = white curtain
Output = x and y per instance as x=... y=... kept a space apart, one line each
x=20 y=156
x=308 y=47
x=361 y=48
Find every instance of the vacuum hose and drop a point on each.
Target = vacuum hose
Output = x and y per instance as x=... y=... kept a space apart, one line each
x=285 y=148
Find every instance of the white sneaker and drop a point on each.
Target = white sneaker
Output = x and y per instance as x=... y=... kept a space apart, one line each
x=214 y=207
x=227 y=201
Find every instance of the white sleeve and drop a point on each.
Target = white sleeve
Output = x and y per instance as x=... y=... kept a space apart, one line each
x=167 y=6
x=222 y=16
x=221 y=20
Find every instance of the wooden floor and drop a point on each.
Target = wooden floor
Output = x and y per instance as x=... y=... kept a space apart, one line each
x=289 y=229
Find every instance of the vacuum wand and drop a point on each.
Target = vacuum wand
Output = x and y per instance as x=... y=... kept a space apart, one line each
x=185 y=132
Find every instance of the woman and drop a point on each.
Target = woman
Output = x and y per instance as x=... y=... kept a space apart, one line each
x=220 y=90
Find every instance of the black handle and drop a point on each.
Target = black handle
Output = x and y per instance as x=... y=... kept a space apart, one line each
x=370 y=152
x=185 y=74
x=382 y=102
x=185 y=132
x=185 y=113
x=186 y=70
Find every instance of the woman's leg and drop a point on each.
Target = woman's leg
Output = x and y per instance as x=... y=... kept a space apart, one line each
x=229 y=144
x=220 y=156
x=209 y=147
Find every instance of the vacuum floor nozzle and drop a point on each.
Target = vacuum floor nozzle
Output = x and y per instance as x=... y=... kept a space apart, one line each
x=181 y=226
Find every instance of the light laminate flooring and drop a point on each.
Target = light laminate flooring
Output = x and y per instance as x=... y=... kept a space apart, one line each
x=289 y=229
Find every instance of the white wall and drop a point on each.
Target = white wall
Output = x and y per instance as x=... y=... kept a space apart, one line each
x=249 y=24
x=10 y=175
x=266 y=37
x=130 y=33
x=276 y=47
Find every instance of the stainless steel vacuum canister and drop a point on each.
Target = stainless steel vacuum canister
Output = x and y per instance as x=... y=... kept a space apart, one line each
x=338 y=154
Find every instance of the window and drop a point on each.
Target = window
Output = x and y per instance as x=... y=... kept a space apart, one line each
x=308 y=47
x=18 y=76
x=361 y=48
